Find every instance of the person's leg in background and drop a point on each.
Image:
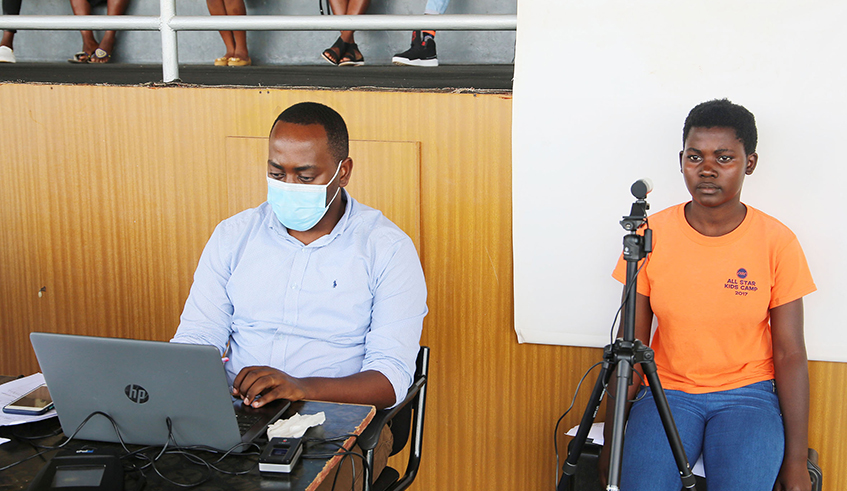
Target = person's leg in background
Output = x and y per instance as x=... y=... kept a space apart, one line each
x=7 y=54
x=89 y=44
x=103 y=53
x=422 y=51
x=345 y=52
x=648 y=463
x=237 y=53
x=744 y=440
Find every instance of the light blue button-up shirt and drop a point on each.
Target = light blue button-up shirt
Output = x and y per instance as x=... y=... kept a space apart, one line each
x=351 y=301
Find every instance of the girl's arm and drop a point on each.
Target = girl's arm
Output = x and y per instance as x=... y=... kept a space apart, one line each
x=792 y=383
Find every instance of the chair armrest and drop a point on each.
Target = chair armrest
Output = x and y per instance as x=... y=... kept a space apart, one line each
x=813 y=456
x=815 y=473
x=369 y=438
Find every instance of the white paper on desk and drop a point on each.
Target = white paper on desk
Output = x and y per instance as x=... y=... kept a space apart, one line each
x=295 y=426
x=16 y=388
x=596 y=434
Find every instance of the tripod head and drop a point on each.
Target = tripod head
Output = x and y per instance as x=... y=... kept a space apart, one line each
x=637 y=247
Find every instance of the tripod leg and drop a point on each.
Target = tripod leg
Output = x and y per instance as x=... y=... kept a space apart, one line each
x=624 y=375
x=672 y=433
x=569 y=468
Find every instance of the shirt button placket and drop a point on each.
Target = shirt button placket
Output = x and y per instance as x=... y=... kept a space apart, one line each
x=295 y=284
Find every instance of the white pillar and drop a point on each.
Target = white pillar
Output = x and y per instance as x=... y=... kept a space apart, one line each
x=170 y=56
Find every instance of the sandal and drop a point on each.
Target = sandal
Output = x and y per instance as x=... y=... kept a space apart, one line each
x=81 y=57
x=99 y=56
x=352 y=56
x=334 y=53
x=222 y=61
x=236 y=61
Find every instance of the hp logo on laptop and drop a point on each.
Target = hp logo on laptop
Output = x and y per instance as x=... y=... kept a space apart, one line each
x=137 y=393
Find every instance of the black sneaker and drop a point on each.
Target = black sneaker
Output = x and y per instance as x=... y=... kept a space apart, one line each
x=421 y=53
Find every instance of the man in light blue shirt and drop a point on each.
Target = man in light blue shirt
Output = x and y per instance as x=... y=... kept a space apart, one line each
x=319 y=296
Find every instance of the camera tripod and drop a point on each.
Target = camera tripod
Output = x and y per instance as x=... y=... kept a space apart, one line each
x=622 y=356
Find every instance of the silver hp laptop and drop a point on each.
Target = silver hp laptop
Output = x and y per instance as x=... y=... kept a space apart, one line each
x=142 y=383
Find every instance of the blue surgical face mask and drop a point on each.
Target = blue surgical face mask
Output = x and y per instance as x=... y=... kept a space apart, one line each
x=300 y=206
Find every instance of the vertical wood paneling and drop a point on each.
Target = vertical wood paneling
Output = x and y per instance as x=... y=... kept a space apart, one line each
x=109 y=194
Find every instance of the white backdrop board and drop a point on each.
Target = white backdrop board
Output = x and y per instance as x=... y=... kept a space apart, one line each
x=600 y=95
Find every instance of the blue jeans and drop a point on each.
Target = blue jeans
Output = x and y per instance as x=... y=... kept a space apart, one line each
x=739 y=432
x=436 y=6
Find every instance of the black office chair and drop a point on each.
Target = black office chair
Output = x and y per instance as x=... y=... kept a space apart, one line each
x=406 y=416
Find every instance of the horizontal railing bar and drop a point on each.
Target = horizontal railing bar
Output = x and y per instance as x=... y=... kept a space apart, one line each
x=487 y=22
x=81 y=22
x=490 y=22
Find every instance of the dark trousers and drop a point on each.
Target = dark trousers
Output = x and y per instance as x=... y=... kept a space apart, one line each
x=12 y=7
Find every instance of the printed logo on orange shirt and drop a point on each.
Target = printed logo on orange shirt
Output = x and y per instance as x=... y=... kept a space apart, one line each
x=741 y=286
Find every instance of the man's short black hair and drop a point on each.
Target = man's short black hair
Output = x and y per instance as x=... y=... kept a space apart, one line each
x=306 y=113
x=723 y=113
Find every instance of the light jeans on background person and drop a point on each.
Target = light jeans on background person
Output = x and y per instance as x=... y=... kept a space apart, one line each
x=739 y=432
x=436 y=6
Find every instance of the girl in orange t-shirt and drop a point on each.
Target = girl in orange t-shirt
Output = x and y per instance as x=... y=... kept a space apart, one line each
x=725 y=282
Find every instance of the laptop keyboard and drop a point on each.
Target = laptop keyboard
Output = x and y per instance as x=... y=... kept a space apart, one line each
x=246 y=421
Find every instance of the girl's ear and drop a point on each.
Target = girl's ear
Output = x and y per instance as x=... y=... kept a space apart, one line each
x=752 y=160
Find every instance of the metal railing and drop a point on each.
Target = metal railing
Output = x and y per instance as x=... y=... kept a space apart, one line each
x=168 y=23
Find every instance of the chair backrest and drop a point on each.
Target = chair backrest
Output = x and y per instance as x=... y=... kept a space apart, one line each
x=406 y=419
x=401 y=423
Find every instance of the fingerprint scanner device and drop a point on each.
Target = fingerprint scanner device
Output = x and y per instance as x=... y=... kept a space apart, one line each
x=142 y=384
x=280 y=455
x=80 y=470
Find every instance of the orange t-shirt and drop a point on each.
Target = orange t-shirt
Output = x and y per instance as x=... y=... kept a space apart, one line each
x=712 y=295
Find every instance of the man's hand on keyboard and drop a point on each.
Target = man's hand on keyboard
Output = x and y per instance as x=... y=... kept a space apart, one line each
x=260 y=385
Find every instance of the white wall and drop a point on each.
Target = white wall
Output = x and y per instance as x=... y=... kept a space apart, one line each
x=601 y=92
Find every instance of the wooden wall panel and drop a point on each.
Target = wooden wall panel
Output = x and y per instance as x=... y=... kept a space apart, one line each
x=109 y=194
x=20 y=273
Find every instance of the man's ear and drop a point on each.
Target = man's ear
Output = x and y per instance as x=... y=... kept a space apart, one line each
x=680 y=160
x=752 y=160
x=345 y=172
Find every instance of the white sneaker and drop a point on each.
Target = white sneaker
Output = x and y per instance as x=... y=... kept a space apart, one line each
x=7 y=55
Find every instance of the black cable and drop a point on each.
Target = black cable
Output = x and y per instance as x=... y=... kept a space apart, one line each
x=62 y=445
x=338 y=442
x=172 y=447
x=556 y=429
x=55 y=432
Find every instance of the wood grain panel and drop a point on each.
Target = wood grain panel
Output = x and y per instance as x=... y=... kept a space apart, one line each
x=109 y=194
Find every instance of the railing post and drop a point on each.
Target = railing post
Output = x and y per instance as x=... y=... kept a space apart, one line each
x=170 y=55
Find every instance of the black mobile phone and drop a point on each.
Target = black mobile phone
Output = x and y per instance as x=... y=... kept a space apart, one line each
x=34 y=402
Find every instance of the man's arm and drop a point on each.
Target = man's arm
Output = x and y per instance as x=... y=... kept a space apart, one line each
x=207 y=315
x=399 y=308
x=368 y=387
x=792 y=383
